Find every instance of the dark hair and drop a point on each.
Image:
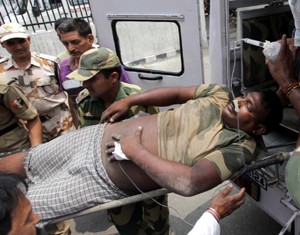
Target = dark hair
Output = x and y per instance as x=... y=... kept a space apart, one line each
x=59 y=21
x=11 y=187
x=75 y=24
x=107 y=72
x=274 y=110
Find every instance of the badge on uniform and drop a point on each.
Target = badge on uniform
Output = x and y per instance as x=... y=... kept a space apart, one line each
x=17 y=103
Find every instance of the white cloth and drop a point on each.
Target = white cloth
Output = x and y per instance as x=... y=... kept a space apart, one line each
x=295 y=8
x=206 y=225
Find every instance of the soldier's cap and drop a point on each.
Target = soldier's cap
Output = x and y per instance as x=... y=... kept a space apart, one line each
x=12 y=30
x=93 y=61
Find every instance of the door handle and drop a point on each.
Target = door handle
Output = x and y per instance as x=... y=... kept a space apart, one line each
x=150 y=78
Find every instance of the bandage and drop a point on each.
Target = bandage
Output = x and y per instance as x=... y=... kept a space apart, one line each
x=236 y=106
x=118 y=153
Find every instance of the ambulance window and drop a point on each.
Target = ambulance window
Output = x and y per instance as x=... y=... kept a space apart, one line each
x=152 y=46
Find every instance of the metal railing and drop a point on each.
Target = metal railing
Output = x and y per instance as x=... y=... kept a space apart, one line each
x=37 y=15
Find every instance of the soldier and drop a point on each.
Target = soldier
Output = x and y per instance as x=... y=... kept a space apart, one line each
x=14 y=106
x=37 y=76
x=103 y=87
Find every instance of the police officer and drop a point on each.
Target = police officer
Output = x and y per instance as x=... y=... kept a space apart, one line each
x=99 y=70
x=38 y=78
x=15 y=106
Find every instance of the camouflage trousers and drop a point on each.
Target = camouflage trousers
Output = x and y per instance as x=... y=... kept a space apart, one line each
x=142 y=218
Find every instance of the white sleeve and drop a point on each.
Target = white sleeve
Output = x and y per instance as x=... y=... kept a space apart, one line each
x=295 y=8
x=206 y=225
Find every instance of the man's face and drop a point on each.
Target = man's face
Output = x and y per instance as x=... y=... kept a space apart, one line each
x=75 y=44
x=250 y=112
x=100 y=87
x=17 y=47
x=24 y=219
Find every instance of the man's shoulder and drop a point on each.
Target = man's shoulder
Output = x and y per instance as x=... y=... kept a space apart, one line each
x=42 y=56
x=131 y=88
x=83 y=95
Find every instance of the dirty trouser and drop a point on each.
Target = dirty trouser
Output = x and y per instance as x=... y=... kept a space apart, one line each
x=142 y=218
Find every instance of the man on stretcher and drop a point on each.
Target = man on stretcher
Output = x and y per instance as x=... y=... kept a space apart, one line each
x=187 y=150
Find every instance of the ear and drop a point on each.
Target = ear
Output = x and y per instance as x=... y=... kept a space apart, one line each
x=91 y=38
x=29 y=39
x=261 y=129
x=114 y=76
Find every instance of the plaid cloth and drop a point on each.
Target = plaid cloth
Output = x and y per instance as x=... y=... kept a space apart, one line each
x=66 y=175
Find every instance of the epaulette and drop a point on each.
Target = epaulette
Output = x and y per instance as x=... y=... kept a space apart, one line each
x=82 y=95
x=3 y=59
x=47 y=57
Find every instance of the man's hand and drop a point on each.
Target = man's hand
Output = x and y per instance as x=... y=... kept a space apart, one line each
x=225 y=204
x=130 y=145
x=282 y=69
x=115 y=111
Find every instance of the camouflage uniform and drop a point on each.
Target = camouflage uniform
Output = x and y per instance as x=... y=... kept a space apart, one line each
x=145 y=217
x=13 y=106
x=38 y=82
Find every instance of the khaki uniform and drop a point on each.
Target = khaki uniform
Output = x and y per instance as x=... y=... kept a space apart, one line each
x=38 y=82
x=145 y=217
x=13 y=106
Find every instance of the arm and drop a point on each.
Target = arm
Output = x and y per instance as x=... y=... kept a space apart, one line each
x=35 y=132
x=178 y=178
x=155 y=97
x=223 y=204
x=283 y=72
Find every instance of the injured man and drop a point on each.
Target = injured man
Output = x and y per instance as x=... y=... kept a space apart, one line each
x=187 y=150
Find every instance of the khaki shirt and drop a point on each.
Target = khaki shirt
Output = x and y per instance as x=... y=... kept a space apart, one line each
x=91 y=108
x=196 y=130
x=14 y=106
x=39 y=83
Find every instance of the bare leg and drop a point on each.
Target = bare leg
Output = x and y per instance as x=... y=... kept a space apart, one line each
x=13 y=164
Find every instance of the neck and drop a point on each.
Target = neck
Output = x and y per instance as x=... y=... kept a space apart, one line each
x=110 y=98
x=22 y=62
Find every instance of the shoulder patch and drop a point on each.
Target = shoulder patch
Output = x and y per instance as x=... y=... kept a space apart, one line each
x=82 y=95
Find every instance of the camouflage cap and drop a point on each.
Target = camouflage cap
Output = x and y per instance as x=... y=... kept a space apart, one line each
x=93 y=61
x=12 y=30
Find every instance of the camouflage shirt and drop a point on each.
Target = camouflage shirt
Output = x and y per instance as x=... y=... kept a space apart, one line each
x=39 y=83
x=195 y=131
x=91 y=108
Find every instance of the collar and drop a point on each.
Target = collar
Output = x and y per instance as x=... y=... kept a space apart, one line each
x=33 y=61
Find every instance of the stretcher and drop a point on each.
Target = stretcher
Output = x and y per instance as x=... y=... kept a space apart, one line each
x=263 y=162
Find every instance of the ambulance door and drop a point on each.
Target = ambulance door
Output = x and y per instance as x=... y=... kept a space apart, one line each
x=158 y=42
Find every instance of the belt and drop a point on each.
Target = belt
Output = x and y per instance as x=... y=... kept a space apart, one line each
x=8 y=129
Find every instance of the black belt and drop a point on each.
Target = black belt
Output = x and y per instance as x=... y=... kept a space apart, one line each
x=8 y=129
